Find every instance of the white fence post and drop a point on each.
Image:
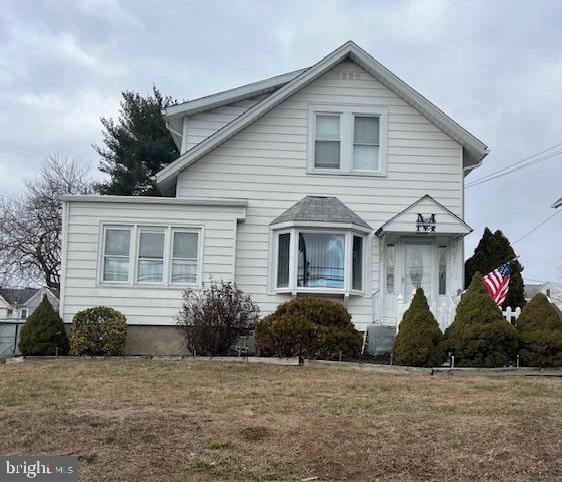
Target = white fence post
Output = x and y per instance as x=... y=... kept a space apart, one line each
x=511 y=314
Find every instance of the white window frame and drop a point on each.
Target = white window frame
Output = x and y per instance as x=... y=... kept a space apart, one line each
x=293 y=287
x=111 y=227
x=150 y=229
x=9 y=313
x=347 y=115
x=22 y=311
x=134 y=241
x=174 y=230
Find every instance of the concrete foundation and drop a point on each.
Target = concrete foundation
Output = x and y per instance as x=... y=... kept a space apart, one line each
x=155 y=340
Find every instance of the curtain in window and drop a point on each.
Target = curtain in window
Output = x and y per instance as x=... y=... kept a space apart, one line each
x=419 y=269
x=151 y=257
x=321 y=260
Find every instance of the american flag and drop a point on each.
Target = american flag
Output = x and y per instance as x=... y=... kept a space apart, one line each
x=496 y=283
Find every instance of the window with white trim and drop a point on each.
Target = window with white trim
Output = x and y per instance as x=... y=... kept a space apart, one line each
x=314 y=260
x=117 y=248
x=23 y=313
x=185 y=247
x=151 y=255
x=347 y=140
x=150 y=259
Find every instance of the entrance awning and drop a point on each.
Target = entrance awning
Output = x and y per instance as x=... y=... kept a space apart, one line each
x=426 y=216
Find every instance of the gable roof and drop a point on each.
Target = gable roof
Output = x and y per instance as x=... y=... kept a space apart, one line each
x=323 y=209
x=447 y=222
x=557 y=204
x=18 y=296
x=474 y=150
x=248 y=91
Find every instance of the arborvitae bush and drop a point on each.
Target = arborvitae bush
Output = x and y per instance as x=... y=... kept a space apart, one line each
x=43 y=332
x=311 y=328
x=98 y=331
x=480 y=336
x=540 y=328
x=419 y=341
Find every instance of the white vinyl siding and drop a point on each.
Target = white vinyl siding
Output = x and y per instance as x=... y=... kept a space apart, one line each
x=266 y=163
x=142 y=303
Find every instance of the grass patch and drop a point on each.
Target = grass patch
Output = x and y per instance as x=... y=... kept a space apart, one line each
x=165 y=420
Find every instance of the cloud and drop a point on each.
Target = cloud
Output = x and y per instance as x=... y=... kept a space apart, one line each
x=493 y=66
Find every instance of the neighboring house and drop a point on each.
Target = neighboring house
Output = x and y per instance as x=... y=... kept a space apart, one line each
x=16 y=304
x=338 y=180
x=552 y=291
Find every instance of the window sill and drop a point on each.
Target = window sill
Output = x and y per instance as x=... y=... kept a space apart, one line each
x=337 y=172
x=175 y=286
x=326 y=291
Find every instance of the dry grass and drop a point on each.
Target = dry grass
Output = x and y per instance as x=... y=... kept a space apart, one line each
x=150 y=420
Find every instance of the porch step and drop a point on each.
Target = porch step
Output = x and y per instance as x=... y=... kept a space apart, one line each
x=380 y=339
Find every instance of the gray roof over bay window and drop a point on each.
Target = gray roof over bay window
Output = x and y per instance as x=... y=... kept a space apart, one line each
x=322 y=209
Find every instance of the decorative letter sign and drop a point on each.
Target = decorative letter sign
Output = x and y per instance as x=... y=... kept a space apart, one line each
x=425 y=224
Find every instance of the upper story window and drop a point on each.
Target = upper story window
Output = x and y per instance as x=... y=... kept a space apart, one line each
x=347 y=140
x=23 y=313
x=9 y=313
x=158 y=256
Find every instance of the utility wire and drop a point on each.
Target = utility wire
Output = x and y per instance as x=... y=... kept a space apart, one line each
x=537 y=227
x=528 y=161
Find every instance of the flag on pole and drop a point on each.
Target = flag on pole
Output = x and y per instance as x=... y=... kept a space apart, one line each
x=496 y=283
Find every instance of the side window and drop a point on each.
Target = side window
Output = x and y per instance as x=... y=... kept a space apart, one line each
x=357 y=263
x=442 y=270
x=23 y=313
x=327 y=144
x=283 y=246
x=117 y=247
x=185 y=247
x=390 y=267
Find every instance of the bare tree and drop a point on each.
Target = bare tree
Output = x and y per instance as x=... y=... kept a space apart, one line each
x=31 y=223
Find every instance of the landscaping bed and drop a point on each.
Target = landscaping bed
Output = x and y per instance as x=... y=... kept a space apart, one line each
x=170 y=420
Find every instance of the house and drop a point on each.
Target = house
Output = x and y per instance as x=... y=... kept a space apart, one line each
x=338 y=180
x=16 y=305
x=552 y=291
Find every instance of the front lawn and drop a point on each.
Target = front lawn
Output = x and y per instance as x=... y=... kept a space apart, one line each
x=164 y=420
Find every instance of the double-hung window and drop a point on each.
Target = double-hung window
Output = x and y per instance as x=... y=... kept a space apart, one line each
x=309 y=260
x=117 y=248
x=347 y=140
x=185 y=247
x=150 y=262
x=151 y=255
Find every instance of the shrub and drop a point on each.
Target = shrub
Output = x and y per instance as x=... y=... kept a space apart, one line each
x=419 y=341
x=43 y=332
x=480 y=336
x=310 y=328
x=98 y=331
x=212 y=318
x=540 y=328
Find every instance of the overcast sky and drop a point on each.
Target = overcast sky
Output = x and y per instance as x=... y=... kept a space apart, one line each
x=495 y=67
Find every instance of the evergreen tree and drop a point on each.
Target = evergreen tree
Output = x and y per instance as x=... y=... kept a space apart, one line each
x=43 y=332
x=540 y=328
x=419 y=341
x=493 y=250
x=480 y=336
x=137 y=146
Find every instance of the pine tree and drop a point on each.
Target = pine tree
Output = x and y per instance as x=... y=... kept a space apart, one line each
x=137 y=146
x=493 y=250
x=419 y=341
x=480 y=336
x=540 y=328
x=43 y=332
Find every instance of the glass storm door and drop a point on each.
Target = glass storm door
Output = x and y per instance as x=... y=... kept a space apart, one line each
x=418 y=268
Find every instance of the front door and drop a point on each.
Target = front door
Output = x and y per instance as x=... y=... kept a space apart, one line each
x=419 y=268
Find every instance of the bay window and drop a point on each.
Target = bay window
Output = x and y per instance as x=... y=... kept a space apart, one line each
x=151 y=255
x=347 y=139
x=311 y=260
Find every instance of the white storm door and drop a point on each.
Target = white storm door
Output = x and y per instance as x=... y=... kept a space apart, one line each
x=419 y=268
